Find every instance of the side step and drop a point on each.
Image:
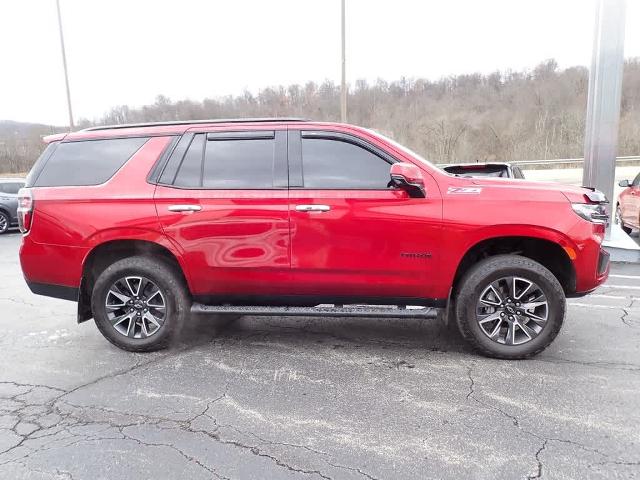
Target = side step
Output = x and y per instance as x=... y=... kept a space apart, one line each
x=325 y=310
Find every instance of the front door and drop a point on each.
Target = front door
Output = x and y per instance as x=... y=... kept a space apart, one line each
x=223 y=200
x=353 y=235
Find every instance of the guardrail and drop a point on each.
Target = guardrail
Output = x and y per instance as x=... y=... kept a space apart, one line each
x=567 y=162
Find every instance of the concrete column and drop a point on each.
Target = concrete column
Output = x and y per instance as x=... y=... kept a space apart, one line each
x=603 y=104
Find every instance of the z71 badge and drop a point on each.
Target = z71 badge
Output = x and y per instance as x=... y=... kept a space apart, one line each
x=464 y=190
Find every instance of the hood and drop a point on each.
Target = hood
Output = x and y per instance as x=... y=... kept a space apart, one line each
x=572 y=192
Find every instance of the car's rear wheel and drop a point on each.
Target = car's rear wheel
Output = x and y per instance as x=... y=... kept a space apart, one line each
x=4 y=222
x=510 y=307
x=139 y=303
x=618 y=220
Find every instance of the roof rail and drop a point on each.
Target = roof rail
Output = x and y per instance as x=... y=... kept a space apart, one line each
x=191 y=122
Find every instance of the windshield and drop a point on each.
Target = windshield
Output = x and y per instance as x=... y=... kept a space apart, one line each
x=479 y=171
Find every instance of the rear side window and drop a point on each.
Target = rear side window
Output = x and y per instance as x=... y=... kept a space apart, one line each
x=242 y=164
x=90 y=162
x=236 y=160
x=190 y=171
x=335 y=164
x=11 y=187
x=40 y=163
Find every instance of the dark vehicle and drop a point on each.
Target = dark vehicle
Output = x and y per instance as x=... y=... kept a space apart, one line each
x=9 y=188
x=143 y=224
x=501 y=170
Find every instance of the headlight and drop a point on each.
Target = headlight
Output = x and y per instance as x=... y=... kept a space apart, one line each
x=591 y=212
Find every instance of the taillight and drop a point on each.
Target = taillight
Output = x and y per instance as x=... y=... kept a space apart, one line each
x=25 y=209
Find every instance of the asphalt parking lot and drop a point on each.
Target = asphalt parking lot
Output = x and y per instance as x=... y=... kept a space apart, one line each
x=312 y=398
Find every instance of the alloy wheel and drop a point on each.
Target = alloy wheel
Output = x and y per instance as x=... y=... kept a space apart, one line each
x=135 y=307
x=4 y=224
x=512 y=310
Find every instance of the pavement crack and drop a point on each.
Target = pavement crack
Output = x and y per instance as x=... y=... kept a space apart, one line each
x=179 y=451
x=254 y=450
x=354 y=469
x=472 y=382
x=540 y=465
x=624 y=318
x=471 y=395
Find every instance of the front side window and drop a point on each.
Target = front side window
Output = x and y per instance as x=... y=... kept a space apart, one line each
x=337 y=164
x=636 y=181
x=89 y=162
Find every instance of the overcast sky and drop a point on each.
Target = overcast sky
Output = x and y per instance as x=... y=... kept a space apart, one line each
x=129 y=51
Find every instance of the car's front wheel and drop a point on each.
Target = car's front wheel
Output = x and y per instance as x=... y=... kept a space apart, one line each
x=509 y=306
x=140 y=303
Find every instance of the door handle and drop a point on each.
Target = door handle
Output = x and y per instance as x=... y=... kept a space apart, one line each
x=313 y=208
x=184 y=208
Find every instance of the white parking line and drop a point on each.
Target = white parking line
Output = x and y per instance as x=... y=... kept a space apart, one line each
x=615 y=297
x=612 y=275
x=623 y=287
x=593 y=305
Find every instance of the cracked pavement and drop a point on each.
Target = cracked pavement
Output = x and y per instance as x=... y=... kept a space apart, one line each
x=332 y=398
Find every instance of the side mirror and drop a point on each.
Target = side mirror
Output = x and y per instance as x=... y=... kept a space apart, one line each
x=409 y=178
x=624 y=183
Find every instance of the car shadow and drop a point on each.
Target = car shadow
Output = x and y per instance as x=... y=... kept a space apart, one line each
x=336 y=332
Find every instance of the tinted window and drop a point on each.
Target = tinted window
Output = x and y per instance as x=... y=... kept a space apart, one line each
x=11 y=187
x=517 y=173
x=90 y=162
x=244 y=164
x=636 y=181
x=190 y=170
x=40 y=163
x=334 y=164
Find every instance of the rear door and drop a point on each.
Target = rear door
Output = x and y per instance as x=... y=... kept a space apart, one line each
x=223 y=199
x=352 y=235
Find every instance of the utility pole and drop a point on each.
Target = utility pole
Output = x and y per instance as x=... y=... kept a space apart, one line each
x=343 y=90
x=64 y=65
x=603 y=102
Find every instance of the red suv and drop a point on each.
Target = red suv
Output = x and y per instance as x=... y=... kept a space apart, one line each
x=143 y=224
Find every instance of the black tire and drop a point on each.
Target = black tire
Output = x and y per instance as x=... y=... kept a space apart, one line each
x=5 y=222
x=489 y=270
x=618 y=219
x=175 y=297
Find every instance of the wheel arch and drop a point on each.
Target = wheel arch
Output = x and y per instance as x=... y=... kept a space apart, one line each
x=106 y=253
x=549 y=253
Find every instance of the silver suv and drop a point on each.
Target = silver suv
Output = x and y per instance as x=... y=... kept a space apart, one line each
x=9 y=188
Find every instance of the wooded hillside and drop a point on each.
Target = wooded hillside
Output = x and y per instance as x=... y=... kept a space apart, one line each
x=536 y=114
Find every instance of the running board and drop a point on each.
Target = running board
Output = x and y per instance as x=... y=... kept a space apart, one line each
x=380 y=311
